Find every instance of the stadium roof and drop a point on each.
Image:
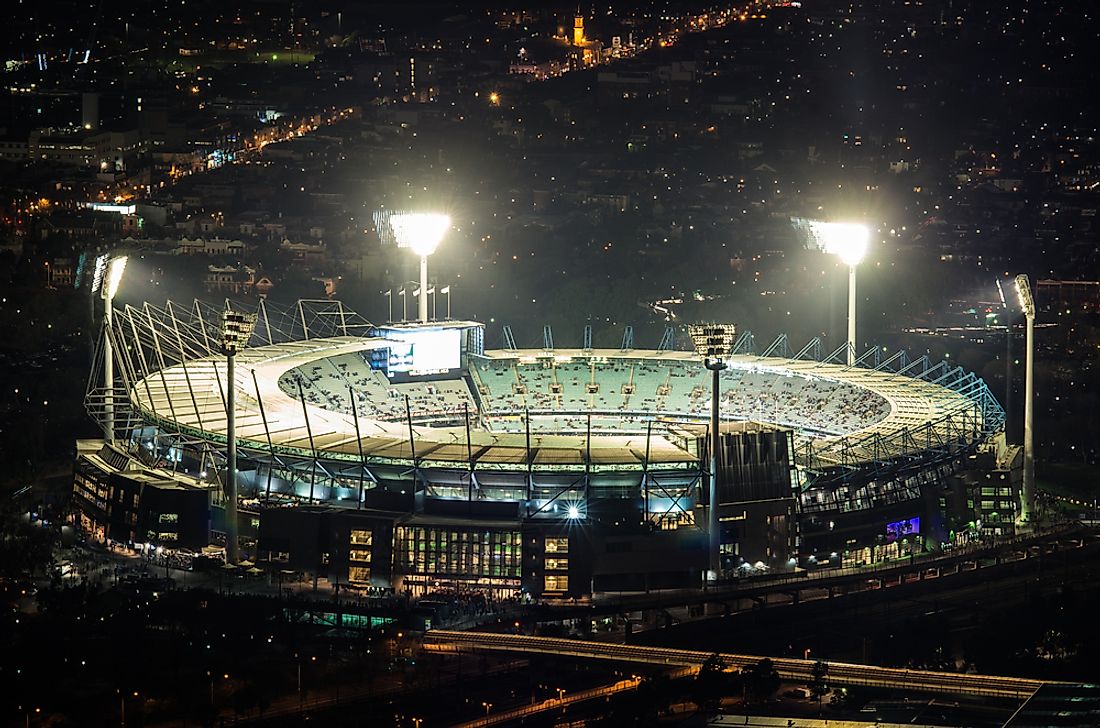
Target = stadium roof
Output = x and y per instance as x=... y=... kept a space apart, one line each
x=189 y=397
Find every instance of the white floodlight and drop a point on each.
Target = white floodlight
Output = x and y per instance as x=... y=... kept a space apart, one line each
x=1027 y=303
x=419 y=232
x=100 y=269
x=115 y=268
x=108 y=276
x=1023 y=291
x=573 y=512
x=850 y=242
x=847 y=241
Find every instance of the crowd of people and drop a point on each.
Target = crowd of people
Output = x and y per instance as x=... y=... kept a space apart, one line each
x=576 y=396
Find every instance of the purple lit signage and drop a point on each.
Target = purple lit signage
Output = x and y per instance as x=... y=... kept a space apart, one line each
x=902 y=529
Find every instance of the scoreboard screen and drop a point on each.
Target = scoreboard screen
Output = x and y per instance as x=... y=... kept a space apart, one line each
x=417 y=353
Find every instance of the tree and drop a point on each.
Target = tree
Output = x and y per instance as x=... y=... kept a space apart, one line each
x=818 y=687
x=710 y=683
x=761 y=681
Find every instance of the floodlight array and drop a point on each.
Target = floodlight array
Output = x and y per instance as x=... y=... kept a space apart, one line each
x=713 y=341
x=237 y=329
x=420 y=232
x=1023 y=291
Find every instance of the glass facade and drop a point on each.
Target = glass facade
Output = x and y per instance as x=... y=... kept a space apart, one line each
x=441 y=551
x=360 y=543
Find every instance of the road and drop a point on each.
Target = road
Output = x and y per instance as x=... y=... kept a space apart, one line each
x=789 y=669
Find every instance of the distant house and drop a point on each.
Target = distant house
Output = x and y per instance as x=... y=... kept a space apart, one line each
x=230 y=279
x=214 y=246
x=309 y=253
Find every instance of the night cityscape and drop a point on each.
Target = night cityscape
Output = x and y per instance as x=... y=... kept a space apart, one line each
x=650 y=363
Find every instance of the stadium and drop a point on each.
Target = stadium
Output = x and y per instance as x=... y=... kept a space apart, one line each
x=407 y=456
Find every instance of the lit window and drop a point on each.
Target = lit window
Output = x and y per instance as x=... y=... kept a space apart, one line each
x=556 y=583
x=557 y=545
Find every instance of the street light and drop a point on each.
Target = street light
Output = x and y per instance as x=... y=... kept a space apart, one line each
x=236 y=331
x=713 y=342
x=1027 y=303
x=106 y=280
x=421 y=233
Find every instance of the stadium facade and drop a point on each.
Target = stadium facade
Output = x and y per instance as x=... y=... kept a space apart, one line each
x=407 y=456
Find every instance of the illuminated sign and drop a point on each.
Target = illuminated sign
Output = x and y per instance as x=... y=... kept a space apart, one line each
x=902 y=529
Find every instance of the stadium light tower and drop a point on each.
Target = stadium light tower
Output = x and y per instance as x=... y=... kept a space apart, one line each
x=847 y=241
x=236 y=331
x=421 y=233
x=1027 y=303
x=1008 y=359
x=107 y=278
x=713 y=342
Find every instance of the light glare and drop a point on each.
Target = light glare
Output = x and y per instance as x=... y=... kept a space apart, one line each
x=848 y=241
x=420 y=232
x=115 y=268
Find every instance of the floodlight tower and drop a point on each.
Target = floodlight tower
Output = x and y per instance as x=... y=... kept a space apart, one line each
x=1008 y=358
x=108 y=276
x=1027 y=303
x=236 y=331
x=849 y=242
x=714 y=342
x=421 y=233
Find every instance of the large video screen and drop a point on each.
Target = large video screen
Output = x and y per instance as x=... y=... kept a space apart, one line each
x=418 y=353
x=901 y=529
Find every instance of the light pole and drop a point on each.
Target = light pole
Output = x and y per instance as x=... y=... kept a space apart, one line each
x=848 y=241
x=713 y=342
x=421 y=233
x=236 y=331
x=1027 y=303
x=107 y=277
x=1008 y=360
